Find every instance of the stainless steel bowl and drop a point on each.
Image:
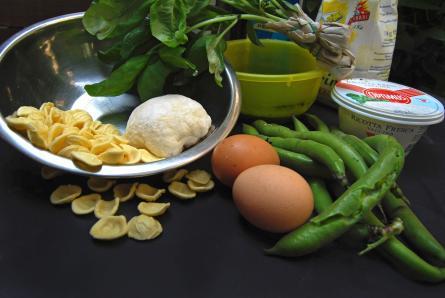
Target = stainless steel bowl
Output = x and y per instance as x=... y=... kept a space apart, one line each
x=53 y=60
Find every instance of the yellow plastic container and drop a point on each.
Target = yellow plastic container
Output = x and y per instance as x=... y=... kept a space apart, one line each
x=277 y=80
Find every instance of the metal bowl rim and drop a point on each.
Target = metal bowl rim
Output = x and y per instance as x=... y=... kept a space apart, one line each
x=49 y=159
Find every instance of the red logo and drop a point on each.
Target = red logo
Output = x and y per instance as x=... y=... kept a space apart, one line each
x=387 y=95
x=361 y=12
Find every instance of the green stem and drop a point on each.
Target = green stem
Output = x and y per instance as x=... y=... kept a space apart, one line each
x=281 y=14
x=279 y=9
x=154 y=49
x=277 y=5
x=247 y=8
x=226 y=30
x=394 y=229
x=261 y=19
x=275 y=18
x=211 y=22
x=374 y=245
x=220 y=19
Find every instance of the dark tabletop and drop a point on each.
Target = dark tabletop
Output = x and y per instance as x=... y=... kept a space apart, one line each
x=206 y=249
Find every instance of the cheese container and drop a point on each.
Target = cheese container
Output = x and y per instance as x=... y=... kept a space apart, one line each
x=370 y=107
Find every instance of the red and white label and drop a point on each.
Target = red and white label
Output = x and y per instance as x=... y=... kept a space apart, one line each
x=388 y=95
x=374 y=96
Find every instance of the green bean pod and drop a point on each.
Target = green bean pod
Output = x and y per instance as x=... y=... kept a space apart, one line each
x=250 y=130
x=350 y=208
x=301 y=163
x=369 y=155
x=400 y=256
x=360 y=146
x=316 y=151
x=274 y=130
x=395 y=251
x=336 y=131
x=415 y=232
x=392 y=250
x=352 y=159
x=316 y=122
x=298 y=125
x=322 y=198
x=410 y=263
x=360 y=233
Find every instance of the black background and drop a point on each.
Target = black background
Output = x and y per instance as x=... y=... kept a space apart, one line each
x=206 y=249
x=16 y=14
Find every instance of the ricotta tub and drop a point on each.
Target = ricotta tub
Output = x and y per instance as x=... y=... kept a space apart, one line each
x=370 y=107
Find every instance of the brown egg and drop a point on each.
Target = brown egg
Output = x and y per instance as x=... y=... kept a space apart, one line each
x=238 y=153
x=273 y=198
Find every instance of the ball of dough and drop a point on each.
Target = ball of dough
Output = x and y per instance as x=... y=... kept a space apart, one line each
x=165 y=125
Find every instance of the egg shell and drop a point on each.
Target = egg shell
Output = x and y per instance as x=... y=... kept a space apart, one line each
x=238 y=153
x=273 y=198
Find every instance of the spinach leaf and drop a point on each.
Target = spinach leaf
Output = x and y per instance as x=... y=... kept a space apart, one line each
x=246 y=6
x=134 y=39
x=122 y=50
x=173 y=57
x=114 y=18
x=204 y=14
x=120 y=80
x=195 y=6
x=215 y=47
x=215 y=55
x=168 y=22
x=133 y=14
x=197 y=53
x=112 y=54
x=163 y=37
x=97 y=19
x=151 y=82
x=251 y=34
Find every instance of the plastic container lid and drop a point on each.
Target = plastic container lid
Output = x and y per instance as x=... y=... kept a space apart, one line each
x=388 y=101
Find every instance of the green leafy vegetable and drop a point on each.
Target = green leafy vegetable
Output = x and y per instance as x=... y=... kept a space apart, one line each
x=153 y=39
x=173 y=57
x=251 y=34
x=195 y=6
x=112 y=54
x=98 y=19
x=151 y=82
x=197 y=53
x=136 y=11
x=134 y=39
x=216 y=46
x=121 y=80
x=113 y=18
x=215 y=54
x=168 y=22
x=203 y=15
